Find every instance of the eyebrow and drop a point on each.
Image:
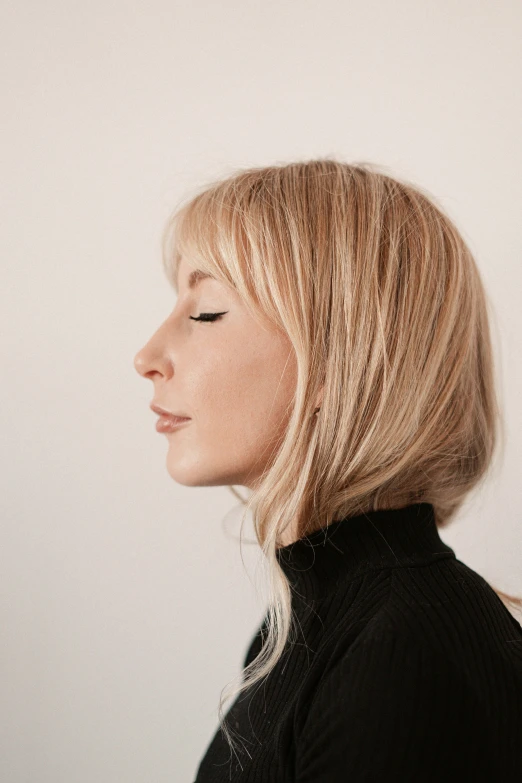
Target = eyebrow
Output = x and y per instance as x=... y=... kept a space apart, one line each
x=197 y=276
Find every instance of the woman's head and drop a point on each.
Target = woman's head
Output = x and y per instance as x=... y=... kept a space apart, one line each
x=232 y=374
x=340 y=286
x=343 y=288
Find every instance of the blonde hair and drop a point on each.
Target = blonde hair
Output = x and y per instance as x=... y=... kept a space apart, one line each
x=385 y=308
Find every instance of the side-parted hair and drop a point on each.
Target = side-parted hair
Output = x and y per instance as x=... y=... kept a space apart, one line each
x=385 y=308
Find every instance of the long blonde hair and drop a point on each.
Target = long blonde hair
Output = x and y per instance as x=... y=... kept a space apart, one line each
x=385 y=308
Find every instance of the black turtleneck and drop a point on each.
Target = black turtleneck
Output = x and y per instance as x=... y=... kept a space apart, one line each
x=406 y=666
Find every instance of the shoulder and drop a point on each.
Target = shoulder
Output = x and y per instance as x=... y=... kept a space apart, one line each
x=407 y=699
x=449 y=609
x=391 y=708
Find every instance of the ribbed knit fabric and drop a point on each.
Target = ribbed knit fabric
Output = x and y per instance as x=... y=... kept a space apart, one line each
x=407 y=667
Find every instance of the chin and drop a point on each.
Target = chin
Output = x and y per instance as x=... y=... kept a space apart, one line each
x=196 y=477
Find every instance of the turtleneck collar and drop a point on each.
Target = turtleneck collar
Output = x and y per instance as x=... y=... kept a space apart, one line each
x=347 y=548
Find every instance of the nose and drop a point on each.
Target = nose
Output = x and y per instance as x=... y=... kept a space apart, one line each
x=139 y=363
x=148 y=364
x=150 y=359
x=154 y=357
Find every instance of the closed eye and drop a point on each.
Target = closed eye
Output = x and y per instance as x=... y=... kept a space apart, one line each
x=207 y=316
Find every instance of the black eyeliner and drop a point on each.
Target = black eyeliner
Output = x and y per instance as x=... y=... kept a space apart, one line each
x=207 y=317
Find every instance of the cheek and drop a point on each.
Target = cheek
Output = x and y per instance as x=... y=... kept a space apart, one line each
x=257 y=391
x=242 y=388
x=215 y=386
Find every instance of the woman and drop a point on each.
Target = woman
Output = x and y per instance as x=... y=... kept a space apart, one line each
x=330 y=351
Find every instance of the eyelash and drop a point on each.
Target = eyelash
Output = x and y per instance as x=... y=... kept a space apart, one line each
x=207 y=317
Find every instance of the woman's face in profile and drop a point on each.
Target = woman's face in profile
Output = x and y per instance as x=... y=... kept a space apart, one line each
x=234 y=378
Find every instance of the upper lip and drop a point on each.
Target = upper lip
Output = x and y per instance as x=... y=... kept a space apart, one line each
x=163 y=412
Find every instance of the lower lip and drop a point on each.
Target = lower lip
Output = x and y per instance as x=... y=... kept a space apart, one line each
x=170 y=424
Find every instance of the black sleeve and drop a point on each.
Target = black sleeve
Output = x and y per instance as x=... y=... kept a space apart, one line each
x=394 y=711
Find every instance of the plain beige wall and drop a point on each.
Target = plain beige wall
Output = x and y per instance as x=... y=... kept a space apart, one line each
x=125 y=606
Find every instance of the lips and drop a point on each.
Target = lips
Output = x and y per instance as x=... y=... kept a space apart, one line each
x=170 y=423
x=168 y=414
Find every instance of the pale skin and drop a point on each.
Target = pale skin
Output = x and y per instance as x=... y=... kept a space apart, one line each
x=234 y=377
